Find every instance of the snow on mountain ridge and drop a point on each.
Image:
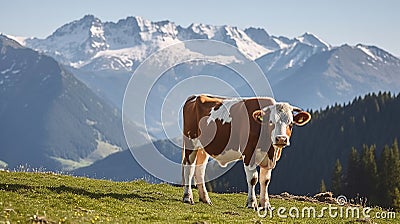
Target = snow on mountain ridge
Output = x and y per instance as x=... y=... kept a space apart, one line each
x=95 y=45
x=205 y=31
x=244 y=43
x=378 y=54
x=73 y=42
x=111 y=51
x=227 y=34
x=286 y=59
x=18 y=39
x=312 y=40
x=260 y=36
x=80 y=42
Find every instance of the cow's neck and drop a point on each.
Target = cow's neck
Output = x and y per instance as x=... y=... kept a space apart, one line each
x=277 y=153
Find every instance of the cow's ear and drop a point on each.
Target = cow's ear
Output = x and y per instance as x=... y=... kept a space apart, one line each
x=258 y=115
x=301 y=118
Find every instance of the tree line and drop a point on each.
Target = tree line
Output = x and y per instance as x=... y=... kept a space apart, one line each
x=368 y=178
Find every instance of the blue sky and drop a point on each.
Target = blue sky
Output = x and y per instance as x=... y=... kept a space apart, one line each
x=371 y=22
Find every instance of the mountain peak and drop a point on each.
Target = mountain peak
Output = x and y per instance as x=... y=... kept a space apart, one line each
x=88 y=17
x=77 y=26
x=261 y=37
x=142 y=22
x=377 y=53
x=367 y=50
x=87 y=20
x=8 y=41
x=256 y=31
x=312 y=40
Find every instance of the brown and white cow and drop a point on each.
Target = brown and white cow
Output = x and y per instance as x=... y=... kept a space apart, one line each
x=229 y=129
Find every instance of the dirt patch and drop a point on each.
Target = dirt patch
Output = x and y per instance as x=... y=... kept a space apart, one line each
x=325 y=197
x=230 y=213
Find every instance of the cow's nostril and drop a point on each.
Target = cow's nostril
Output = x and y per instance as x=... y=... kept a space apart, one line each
x=281 y=139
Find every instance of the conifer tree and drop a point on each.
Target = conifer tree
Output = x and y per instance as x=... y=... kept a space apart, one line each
x=396 y=199
x=337 y=179
x=395 y=159
x=384 y=173
x=322 y=186
x=352 y=174
x=368 y=173
x=394 y=171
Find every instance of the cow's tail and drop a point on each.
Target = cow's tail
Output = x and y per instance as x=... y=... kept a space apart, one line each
x=183 y=161
x=190 y=98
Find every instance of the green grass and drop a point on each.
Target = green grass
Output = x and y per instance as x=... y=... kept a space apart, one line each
x=31 y=197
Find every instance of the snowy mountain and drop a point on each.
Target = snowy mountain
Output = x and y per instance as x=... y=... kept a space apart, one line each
x=339 y=75
x=261 y=37
x=104 y=54
x=281 y=63
x=313 y=40
x=93 y=45
x=49 y=118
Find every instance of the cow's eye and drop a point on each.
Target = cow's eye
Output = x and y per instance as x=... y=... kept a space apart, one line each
x=270 y=122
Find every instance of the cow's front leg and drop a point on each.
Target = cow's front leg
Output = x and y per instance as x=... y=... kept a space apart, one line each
x=252 y=179
x=188 y=168
x=200 y=172
x=265 y=178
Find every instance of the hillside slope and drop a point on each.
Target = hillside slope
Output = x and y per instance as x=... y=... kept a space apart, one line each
x=122 y=166
x=48 y=118
x=54 y=198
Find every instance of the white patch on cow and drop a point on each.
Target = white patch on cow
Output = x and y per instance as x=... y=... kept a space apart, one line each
x=228 y=156
x=196 y=144
x=278 y=153
x=251 y=174
x=222 y=113
x=188 y=172
x=281 y=116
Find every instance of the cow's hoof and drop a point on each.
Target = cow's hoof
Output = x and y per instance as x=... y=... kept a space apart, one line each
x=252 y=204
x=264 y=204
x=267 y=207
x=207 y=201
x=187 y=198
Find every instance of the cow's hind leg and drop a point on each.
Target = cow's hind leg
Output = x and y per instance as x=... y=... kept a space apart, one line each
x=188 y=168
x=252 y=179
x=201 y=164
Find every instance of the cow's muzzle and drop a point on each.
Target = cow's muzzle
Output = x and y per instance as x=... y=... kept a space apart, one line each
x=281 y=141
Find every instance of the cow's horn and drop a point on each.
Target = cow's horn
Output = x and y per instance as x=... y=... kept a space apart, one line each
x=296 y=109
x=265 y=109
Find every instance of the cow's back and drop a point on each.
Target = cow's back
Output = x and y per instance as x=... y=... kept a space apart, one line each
x=196 y=108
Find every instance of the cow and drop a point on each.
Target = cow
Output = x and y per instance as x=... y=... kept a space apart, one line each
x=254 y=130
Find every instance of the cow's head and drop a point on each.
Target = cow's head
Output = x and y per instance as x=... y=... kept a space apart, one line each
x=281 y=117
